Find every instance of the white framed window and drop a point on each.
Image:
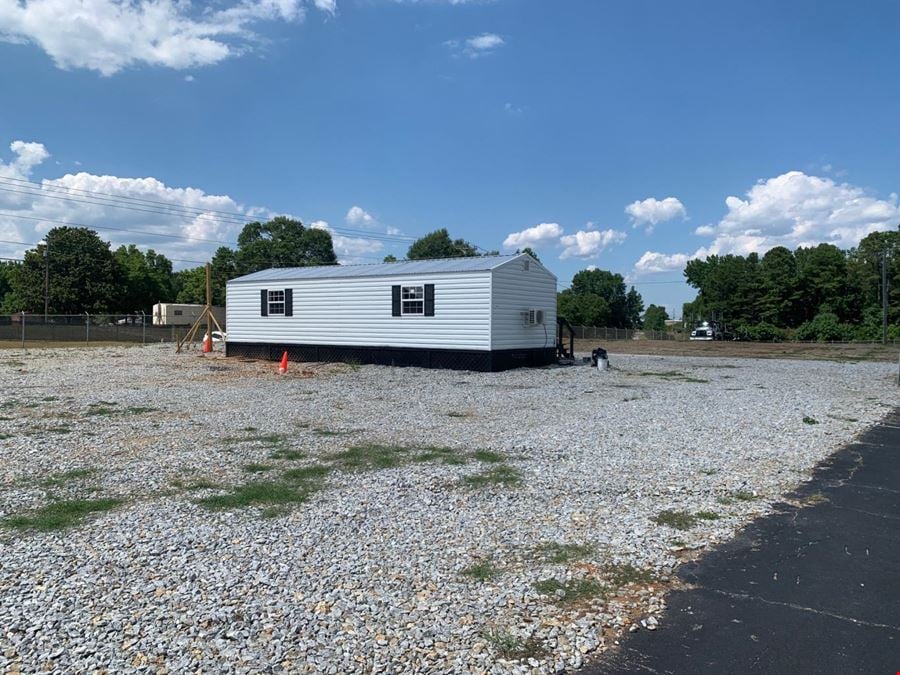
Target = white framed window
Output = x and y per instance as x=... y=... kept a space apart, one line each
x=276 y=302
x=412 y=300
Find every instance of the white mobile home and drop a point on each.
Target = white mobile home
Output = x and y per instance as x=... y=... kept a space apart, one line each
x=487 y=313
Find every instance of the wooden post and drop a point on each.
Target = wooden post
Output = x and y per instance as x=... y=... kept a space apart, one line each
x=208 y=307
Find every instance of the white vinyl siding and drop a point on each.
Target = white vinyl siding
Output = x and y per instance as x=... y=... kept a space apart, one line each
x=357 y=311
x=516 y=290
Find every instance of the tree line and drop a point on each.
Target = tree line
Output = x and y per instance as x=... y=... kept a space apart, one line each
x=84 y=274
x=812 y=293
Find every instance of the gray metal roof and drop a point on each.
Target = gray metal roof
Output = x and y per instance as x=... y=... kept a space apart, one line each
x=403 y=267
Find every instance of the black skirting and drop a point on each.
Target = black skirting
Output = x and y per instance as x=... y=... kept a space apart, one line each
x=453 y=359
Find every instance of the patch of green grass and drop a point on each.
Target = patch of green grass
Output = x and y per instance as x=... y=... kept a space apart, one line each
x=680 y=520
x=60 y=479
x=60 y=515
x=307 y=473
x=249 y=429
x=102 y=411
x=810 y=420
x=564 y=553
x=287 y=454
x=481 y=571
x=259 y=494
x=488 y=457
x=253 y=467
x=572 y=590
x=50 y=399
x=140 y=410
x=501 y=474
x=369 y=457
x=744 y=496
x=459 y=414
x=706 y=515
x=201 y=484
x=696 y=380
x=680 y=543
x=709 y=472
x=440 y=455
x=725 y=500
x=510 y=647
x=673 y=375
x=627 y=573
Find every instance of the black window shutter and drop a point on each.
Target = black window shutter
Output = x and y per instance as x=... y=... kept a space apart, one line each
x=264 y=302
x=289 y=302
x=395 y=300
x=429 y=299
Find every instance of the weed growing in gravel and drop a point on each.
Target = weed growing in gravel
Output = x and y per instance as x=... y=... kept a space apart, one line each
x=3 y=437
x=508 y=646
x=674 y=375
x=201 y=484
x=810 y=420
x=102 y=409
x=140 y=410
x=744 y=496
x=709 y=472
x=680 y=520
x=441 y=455
x=287 y=454
x=331 y=432
x=481 y=571
x=487 y=456
x=626 y=573
x=501 y=474
x=60 y=515
x=60 y=479
x=260 y=494
x=61 y=429
x=706 y=515
x=572 y=590
x=307 y=473
x=459 y=413
x=368 y=457
x=725 y=500
x=253 y=467
x=564 y=553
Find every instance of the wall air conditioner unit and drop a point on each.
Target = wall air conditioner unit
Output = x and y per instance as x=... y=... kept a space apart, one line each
x=533 y=317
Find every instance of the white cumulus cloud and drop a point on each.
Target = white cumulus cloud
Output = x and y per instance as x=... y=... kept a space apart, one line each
x=349 y=249
x=652 y=262
x=589 y=243
x=652 y=211
x=540 y=235
x=476 y=46
x=359 y=216
x=110 y=35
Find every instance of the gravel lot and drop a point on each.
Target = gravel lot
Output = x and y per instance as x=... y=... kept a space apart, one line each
x=404 y=568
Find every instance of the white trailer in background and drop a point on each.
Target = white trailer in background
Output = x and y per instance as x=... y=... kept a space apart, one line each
x=481 y=313
x=174 y=314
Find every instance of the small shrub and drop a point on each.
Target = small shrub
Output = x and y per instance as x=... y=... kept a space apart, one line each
x=680 y=520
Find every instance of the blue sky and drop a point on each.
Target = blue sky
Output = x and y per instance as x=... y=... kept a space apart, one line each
x=720 y=127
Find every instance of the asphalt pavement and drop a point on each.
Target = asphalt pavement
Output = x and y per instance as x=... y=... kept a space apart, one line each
x=811 y=589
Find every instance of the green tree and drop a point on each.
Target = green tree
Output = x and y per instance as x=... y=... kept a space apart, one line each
x=390 y=258
x=530 y=251
x=7 y=271
x=822 y=273
x=583 y=309
x=438 y=244
x=624 y=308
x=655 y=318
x=81 y=271
x=144 y=279
x=281 y=242
x=779 y=297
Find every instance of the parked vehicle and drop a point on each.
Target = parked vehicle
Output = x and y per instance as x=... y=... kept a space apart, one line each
x=706 y=331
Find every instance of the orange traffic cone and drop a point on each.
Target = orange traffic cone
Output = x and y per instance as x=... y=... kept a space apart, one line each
x=282 y=369
x=207 y=344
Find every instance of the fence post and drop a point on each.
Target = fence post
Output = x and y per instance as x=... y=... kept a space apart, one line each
x=143 y=328
x=87 y=327
x=23 y=329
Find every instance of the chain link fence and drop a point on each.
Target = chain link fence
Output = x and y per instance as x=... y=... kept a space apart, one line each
x=73 y=328
x=600 y=333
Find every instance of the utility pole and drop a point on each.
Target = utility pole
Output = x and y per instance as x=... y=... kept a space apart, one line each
x=884 y=296
x=46 y=280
